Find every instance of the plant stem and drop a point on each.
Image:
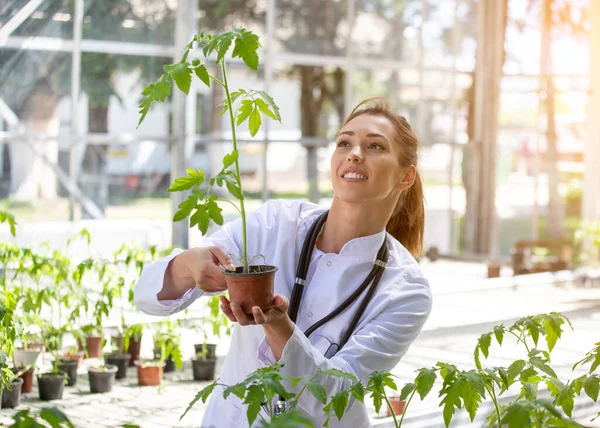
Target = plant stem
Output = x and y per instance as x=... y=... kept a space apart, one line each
x=217 y=80
x=405 y=407
x=391 y=408
x=522 y=340
x=234 y=205
x=237 y=168
x=495 y=401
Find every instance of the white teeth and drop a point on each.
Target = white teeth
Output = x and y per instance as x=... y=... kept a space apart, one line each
x=354 y=175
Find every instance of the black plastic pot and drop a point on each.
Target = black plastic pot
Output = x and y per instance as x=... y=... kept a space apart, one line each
x=121 y=361
x=102 y=380
x=204 y=369
x=210 y=350
x=11 y=399
x=69 y=367
x=51 y=387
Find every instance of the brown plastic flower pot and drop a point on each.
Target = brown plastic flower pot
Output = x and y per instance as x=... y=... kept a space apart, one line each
x=251 y=289
x=150 y=374
x=27 y=381
x=133 y=350
x=397 y=405
x=94 y=346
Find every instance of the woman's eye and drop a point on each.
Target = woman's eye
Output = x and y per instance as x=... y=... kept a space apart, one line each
x=343 y=143
x=376 y=146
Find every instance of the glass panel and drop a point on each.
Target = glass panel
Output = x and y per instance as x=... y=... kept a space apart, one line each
x=150 y=21
x=387 y=29
x=54 y=18
x=216 y=15
x=312 y=27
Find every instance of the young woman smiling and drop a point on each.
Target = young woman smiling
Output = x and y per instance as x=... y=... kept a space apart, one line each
x=358 y=297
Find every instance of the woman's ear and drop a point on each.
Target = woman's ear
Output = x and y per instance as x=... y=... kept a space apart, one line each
x=409 y=178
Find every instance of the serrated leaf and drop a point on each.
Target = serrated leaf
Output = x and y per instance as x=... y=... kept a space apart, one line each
x=358 y=391
x=517 y=416
x=202 y=395
x=202 y=74
x=246 y=108
x=339 y=374
x=591 y=386
x=530 y=390
x=185 y=183
x=234 y=190
x=200 y=218
x=539 y=364
x=340 y=402
x=181 y=74
x=318 y=391
x=239 y=390
x=254 y=397
x=471 y=399
x=515 y=370
x=499 y=333
x=246 y=45
x=264 y=108
x=254 y=122
x=424 y=381
x=224 y=43
x=230 y=158
x=407 y=390
x=265 y=96
x=211 y=45
x=155 y=92
x=234 y=96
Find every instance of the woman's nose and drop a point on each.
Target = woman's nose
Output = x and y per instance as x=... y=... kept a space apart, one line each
x=355 y=155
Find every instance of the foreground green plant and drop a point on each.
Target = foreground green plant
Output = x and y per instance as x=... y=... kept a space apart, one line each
x=201 y=206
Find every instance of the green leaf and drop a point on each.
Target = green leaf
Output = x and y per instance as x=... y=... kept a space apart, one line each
x=211 y=45
x=271 y=103
x=530 y=390
x=244 y=111
x=264 y=108
x=290 y=419
x=254 y=398
x=239 y=390
x=202 y=74
x=424 y=381
x=185 y=208
x=214 y=211
x=202 y=395
x=234 y=190
x=181 y=74
x=224 y=43
x=318 y=391
x=55 y=417
x=451 y=401
x=254 y=122
x=246 y=45
x=358 y=391
x=517 y=416
x=200 y=218
x=234 y=96
x=515 y=370
x=407 y=390
x=229 y=159
x=295 y=380
x=340 y=402
x=185 y=183
x=339 y=374
x=591 y=387
x=155 y=92
x=538 y=363
x=499 y=333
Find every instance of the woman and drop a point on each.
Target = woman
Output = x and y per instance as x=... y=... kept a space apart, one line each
x=377 y=188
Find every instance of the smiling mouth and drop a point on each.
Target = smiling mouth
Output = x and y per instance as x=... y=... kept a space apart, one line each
x=354 y=176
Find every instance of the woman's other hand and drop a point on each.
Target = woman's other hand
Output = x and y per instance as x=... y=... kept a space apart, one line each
x=276 y=314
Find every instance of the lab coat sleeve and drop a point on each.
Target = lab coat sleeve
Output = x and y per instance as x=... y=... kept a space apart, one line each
x=378 y=345
x=260 y=226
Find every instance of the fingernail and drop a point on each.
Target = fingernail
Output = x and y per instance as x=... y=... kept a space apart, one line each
x=231 y=267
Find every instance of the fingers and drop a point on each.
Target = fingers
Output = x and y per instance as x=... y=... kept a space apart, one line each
x=259 y=315
x=240 y=315
x=281 y=303
x=226 y=308
x=222 y=258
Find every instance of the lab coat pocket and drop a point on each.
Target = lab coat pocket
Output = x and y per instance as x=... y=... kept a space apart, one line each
x=321 y=342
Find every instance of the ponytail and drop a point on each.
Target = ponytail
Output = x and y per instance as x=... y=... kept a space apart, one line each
x=407 y=223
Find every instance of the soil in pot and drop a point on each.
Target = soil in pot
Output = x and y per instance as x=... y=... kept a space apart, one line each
x=51 y=387
x=102 y=380
x=134 y=351
x=204 y=369
x=150 y=374
x=69 y=367
x=27 y=381
x=11 y=399
x=251 y=289
x=121 y=361
x=207 y=351
x=397 y=406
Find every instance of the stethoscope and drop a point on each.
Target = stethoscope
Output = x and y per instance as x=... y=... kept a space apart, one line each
x=371 y=280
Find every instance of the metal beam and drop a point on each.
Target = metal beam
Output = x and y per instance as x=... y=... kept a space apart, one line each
x=20 y=17
x=55 y=44
x=75 y=89
x=591 y=185
x=270 y=26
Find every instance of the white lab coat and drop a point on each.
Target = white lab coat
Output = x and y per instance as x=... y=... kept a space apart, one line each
x=390 y=323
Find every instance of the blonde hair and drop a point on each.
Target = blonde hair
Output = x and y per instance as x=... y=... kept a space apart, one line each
x=407 y=223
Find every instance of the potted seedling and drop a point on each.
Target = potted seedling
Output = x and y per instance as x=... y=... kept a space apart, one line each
x=10 y=330
x=102 y=378
x=51 y=384
x=167 y=345
x=249 y=285
x=205 y=360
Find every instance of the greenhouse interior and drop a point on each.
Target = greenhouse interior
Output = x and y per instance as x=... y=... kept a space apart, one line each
x=191 y=193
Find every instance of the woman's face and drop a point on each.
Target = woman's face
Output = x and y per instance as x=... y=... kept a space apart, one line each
x=365 y=166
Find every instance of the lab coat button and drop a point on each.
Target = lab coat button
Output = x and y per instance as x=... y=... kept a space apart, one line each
x=310 y=314
x=328 y=263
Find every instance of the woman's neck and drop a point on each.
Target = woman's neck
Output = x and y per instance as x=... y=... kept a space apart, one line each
x=346 y=222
